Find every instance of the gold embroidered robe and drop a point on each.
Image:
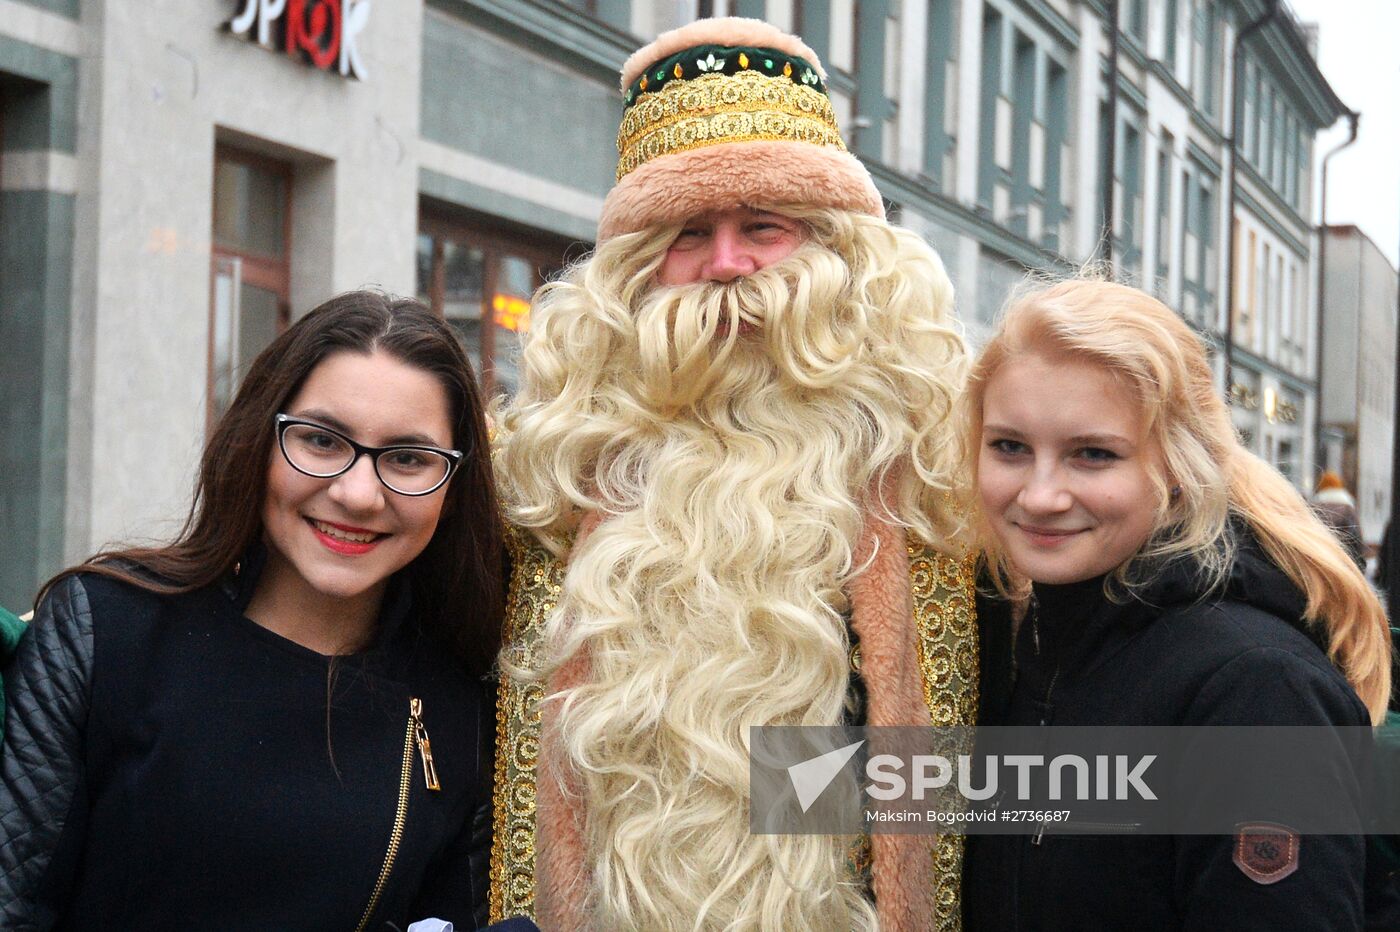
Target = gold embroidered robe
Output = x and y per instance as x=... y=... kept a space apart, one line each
x=944 y=618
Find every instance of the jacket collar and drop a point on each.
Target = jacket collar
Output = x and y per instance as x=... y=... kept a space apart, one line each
x=239 y=586
x=1076 y=622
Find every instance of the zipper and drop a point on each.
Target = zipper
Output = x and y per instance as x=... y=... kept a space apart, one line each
x=425 y=747
x=415 y=725
x=1089 y=828
x=1045 y=700
x=1098 y=828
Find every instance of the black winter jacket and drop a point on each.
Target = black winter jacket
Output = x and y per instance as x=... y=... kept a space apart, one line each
x=1165 y=658
x=170 y=764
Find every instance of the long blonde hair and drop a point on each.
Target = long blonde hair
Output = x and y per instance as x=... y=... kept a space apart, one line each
x=735 y=474
x=1158 y=358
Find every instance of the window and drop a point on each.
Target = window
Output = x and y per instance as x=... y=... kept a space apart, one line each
x=893 y=73
x=1024 y=136
x=1164 y=217
x=1057 y=158
x=993 y=144
x=783 y=14
x=1284 y=463
x=1128 y=202
x=1290 y=161
x=1265 y=120
x=997 y=277
x=1247 y=122
x=1289 y=292
x=1198 y=261
x=250 y=269
x=1205 y=61
x=842 y=54
x=1169 y=26
x=1205 y=272
x=482 y=280
x=650 y=18
x=940 y=96
x=1133 y=14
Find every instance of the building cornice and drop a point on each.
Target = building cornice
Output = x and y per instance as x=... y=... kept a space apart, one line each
x=960 y=218
x=1299 y=383
x=1282 y=48
x=556 y=29
x=1267 y=218
x=1160 y=71
x=1207 y=161
x=1050 y=18
x=1279 y=206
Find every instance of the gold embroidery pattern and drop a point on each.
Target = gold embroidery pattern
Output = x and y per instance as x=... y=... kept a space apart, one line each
x=535 y=583
x=945 y=616
x=860 y=863
x=719 y=108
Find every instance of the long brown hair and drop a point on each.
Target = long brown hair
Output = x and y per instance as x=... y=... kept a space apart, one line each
x=457 y=580
x=1162 y=362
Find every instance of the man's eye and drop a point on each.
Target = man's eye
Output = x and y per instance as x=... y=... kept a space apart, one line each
x=767 y=228
x=688 y=239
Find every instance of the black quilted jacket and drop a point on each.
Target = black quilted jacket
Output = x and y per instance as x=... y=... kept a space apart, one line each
x=169 y=764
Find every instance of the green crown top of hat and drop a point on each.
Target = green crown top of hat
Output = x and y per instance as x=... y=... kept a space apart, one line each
x=702 y=60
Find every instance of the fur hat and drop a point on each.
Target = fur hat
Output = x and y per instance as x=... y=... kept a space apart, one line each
x=726 y=113
x=1329 y=480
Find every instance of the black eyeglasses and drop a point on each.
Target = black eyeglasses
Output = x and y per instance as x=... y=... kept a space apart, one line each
x=408 y=469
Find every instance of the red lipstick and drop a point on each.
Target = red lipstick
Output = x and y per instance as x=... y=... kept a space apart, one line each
x=350 y=548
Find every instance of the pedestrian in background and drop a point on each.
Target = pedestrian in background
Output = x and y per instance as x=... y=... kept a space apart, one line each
x=1337 y=509
x=232 y=731
x=1175 y=579
x=11 y=627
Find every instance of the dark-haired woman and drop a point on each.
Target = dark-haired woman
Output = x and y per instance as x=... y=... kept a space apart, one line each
x=278 y=721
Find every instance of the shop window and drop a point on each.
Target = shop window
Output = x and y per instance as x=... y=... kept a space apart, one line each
x=250 y=271
x=481 y=281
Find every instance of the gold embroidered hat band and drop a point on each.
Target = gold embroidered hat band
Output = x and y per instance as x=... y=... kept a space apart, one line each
x=724 y=113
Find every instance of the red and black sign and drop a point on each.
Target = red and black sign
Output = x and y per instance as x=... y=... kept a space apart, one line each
x=320 y=32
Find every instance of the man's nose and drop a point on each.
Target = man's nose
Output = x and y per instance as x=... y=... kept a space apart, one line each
x=730 y=257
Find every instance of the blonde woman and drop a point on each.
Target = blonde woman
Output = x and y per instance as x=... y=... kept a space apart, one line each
x=1175 y=579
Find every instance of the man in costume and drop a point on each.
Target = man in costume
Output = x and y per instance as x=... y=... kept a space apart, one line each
x=727 y=476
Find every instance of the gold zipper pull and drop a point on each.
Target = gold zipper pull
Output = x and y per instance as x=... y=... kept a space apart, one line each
x=425 y=747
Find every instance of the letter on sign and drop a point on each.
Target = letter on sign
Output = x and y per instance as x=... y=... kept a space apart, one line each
x=322 y=32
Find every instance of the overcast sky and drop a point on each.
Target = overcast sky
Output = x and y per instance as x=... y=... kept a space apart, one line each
x=1357 y=52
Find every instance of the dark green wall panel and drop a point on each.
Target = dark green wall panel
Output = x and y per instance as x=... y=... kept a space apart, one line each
x=36 y=243
x=485 y=96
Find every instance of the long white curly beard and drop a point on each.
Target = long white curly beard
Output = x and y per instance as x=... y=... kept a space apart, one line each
x=710 y=600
